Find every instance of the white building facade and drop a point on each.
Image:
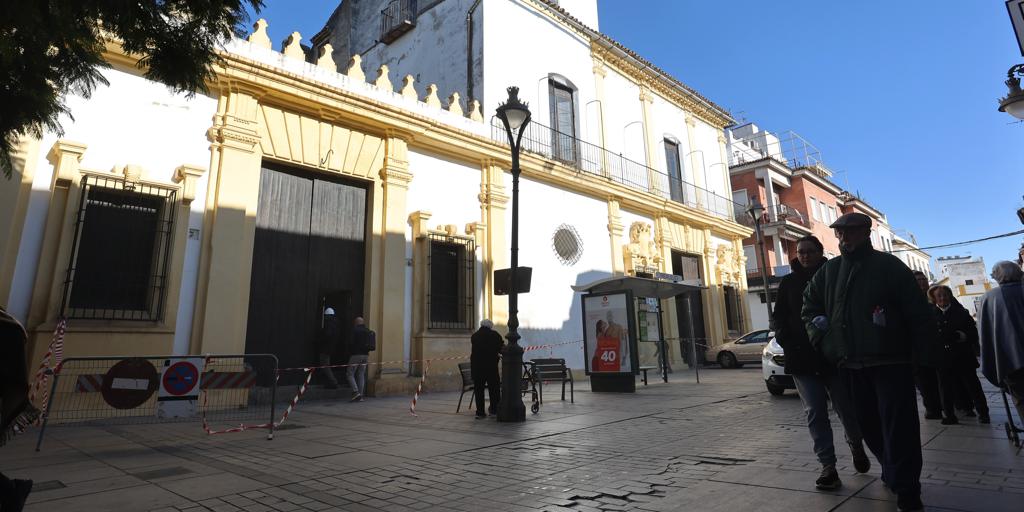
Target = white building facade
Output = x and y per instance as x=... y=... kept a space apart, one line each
x=967 y=277
x=299 y=182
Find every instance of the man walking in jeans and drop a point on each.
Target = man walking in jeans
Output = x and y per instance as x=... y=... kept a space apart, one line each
x=360 y=344
x=866 y=315
x=815 y=379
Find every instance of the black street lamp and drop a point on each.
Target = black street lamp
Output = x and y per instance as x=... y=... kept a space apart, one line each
x=515 y=115
x=1013 y=103
x=756 y=211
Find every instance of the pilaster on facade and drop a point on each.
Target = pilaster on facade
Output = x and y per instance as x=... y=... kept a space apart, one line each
x=65 y=156
x=615 y=232
x=600 y=72
x=14 y=199
x=495 y=253
x=186 y=177
x=646 y=102
x=698 y=177
x=390 y=268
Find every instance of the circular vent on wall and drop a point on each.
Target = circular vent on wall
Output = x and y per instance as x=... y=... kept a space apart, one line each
x=567 y=244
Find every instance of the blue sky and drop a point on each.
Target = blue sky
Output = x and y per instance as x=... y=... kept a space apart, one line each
x=901 y=95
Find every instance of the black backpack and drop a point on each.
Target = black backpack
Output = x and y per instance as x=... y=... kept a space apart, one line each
x=371 y=341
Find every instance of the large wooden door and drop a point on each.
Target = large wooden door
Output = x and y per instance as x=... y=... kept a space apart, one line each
x=309 y=247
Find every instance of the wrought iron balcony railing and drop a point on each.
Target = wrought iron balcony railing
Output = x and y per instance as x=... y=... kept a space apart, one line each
x=396 y=19
x=601 y=163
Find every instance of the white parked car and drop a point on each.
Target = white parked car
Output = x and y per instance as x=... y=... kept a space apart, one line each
x=773 y=362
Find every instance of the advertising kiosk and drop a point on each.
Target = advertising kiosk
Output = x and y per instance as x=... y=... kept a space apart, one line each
x=619 y=313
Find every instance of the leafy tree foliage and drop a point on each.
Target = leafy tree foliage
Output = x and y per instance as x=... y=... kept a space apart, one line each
x=49 y=48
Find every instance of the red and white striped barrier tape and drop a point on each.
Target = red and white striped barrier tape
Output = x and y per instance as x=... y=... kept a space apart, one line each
x=56 y=351
x=419 y=389
x=309 y=370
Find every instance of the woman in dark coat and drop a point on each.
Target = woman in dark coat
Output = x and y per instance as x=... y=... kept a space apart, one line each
x=16 y=412
x=958 y=335
x=815 y=379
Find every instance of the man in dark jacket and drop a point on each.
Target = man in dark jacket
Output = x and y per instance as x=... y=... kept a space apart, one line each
x=958 y=336
x=16 y=412
x=327 y=342
x=483 y=361
x=815 y=379
x=359 y=354
x=866 y=315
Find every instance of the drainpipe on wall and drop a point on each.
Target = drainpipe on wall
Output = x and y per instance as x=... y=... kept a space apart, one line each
x=469 y=53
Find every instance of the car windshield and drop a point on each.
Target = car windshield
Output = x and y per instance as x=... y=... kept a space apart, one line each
x=755 y=337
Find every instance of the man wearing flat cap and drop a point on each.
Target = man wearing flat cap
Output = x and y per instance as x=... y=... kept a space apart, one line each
x=865 y=314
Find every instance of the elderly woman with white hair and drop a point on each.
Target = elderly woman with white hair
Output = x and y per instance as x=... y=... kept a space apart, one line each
x=1001 y=320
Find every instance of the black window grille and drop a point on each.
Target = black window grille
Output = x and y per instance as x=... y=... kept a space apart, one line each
x=451 y=267
x=397 y=18
x=119 y=256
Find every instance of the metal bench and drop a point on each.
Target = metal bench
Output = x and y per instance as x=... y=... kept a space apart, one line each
x=553 y=370
x=644 y=369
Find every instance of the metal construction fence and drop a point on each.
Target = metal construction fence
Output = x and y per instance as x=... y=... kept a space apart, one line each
x=218 y=390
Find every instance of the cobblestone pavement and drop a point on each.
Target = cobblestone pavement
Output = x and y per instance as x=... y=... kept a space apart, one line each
x=724 y=444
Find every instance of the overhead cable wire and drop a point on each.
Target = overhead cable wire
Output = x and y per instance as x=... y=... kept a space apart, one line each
x=966 y=242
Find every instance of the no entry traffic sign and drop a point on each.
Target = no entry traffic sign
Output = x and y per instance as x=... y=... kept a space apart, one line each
x=129 y=383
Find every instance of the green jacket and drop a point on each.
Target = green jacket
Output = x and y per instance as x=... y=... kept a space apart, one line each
x=876 y=313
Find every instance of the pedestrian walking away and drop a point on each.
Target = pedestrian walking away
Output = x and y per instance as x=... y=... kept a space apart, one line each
x=958 y=336
x=361 y=343
x=327 y=343
x=16 y=412
x=1001 y=319
x=926 y=377
x=865 y=314
x=816 y=380
x=483 y=360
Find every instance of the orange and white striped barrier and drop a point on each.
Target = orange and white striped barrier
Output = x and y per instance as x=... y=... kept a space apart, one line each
x=310 y=370
x=419 y=389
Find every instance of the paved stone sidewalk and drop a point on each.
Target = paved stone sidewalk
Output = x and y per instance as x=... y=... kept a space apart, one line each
x=725 y=444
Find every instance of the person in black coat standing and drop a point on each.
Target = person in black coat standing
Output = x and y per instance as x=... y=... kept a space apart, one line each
x=483 y=362
x=958 y=335
x=327 y=342
x=16 y=411
x=815 y=379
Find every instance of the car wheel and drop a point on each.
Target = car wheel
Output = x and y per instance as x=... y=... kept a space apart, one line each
x=727 y=360
x=774 y=389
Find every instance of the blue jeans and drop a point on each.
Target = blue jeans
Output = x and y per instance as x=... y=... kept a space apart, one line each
x=356 y=374
x=814 y=393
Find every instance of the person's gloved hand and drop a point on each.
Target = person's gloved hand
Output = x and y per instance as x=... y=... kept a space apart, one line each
x=821 y=322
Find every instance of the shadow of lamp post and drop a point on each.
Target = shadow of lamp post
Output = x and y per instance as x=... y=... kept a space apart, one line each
x=514 y=115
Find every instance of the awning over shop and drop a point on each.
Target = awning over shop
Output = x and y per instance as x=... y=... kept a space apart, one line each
x=640 y=286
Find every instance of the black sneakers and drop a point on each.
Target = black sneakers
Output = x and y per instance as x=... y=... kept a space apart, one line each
x=861 y=462
x=829 y=479
x=17 y=493
x=909 y=503
x=950 y=420
x=932 y=415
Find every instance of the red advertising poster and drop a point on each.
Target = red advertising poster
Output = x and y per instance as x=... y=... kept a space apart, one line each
x=606 y=325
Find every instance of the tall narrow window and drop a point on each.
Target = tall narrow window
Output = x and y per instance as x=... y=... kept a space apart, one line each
x=563 y=120
x=733 y=306
x=675 y=171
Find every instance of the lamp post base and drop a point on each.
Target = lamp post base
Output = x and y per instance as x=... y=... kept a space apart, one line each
x=511 y=408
